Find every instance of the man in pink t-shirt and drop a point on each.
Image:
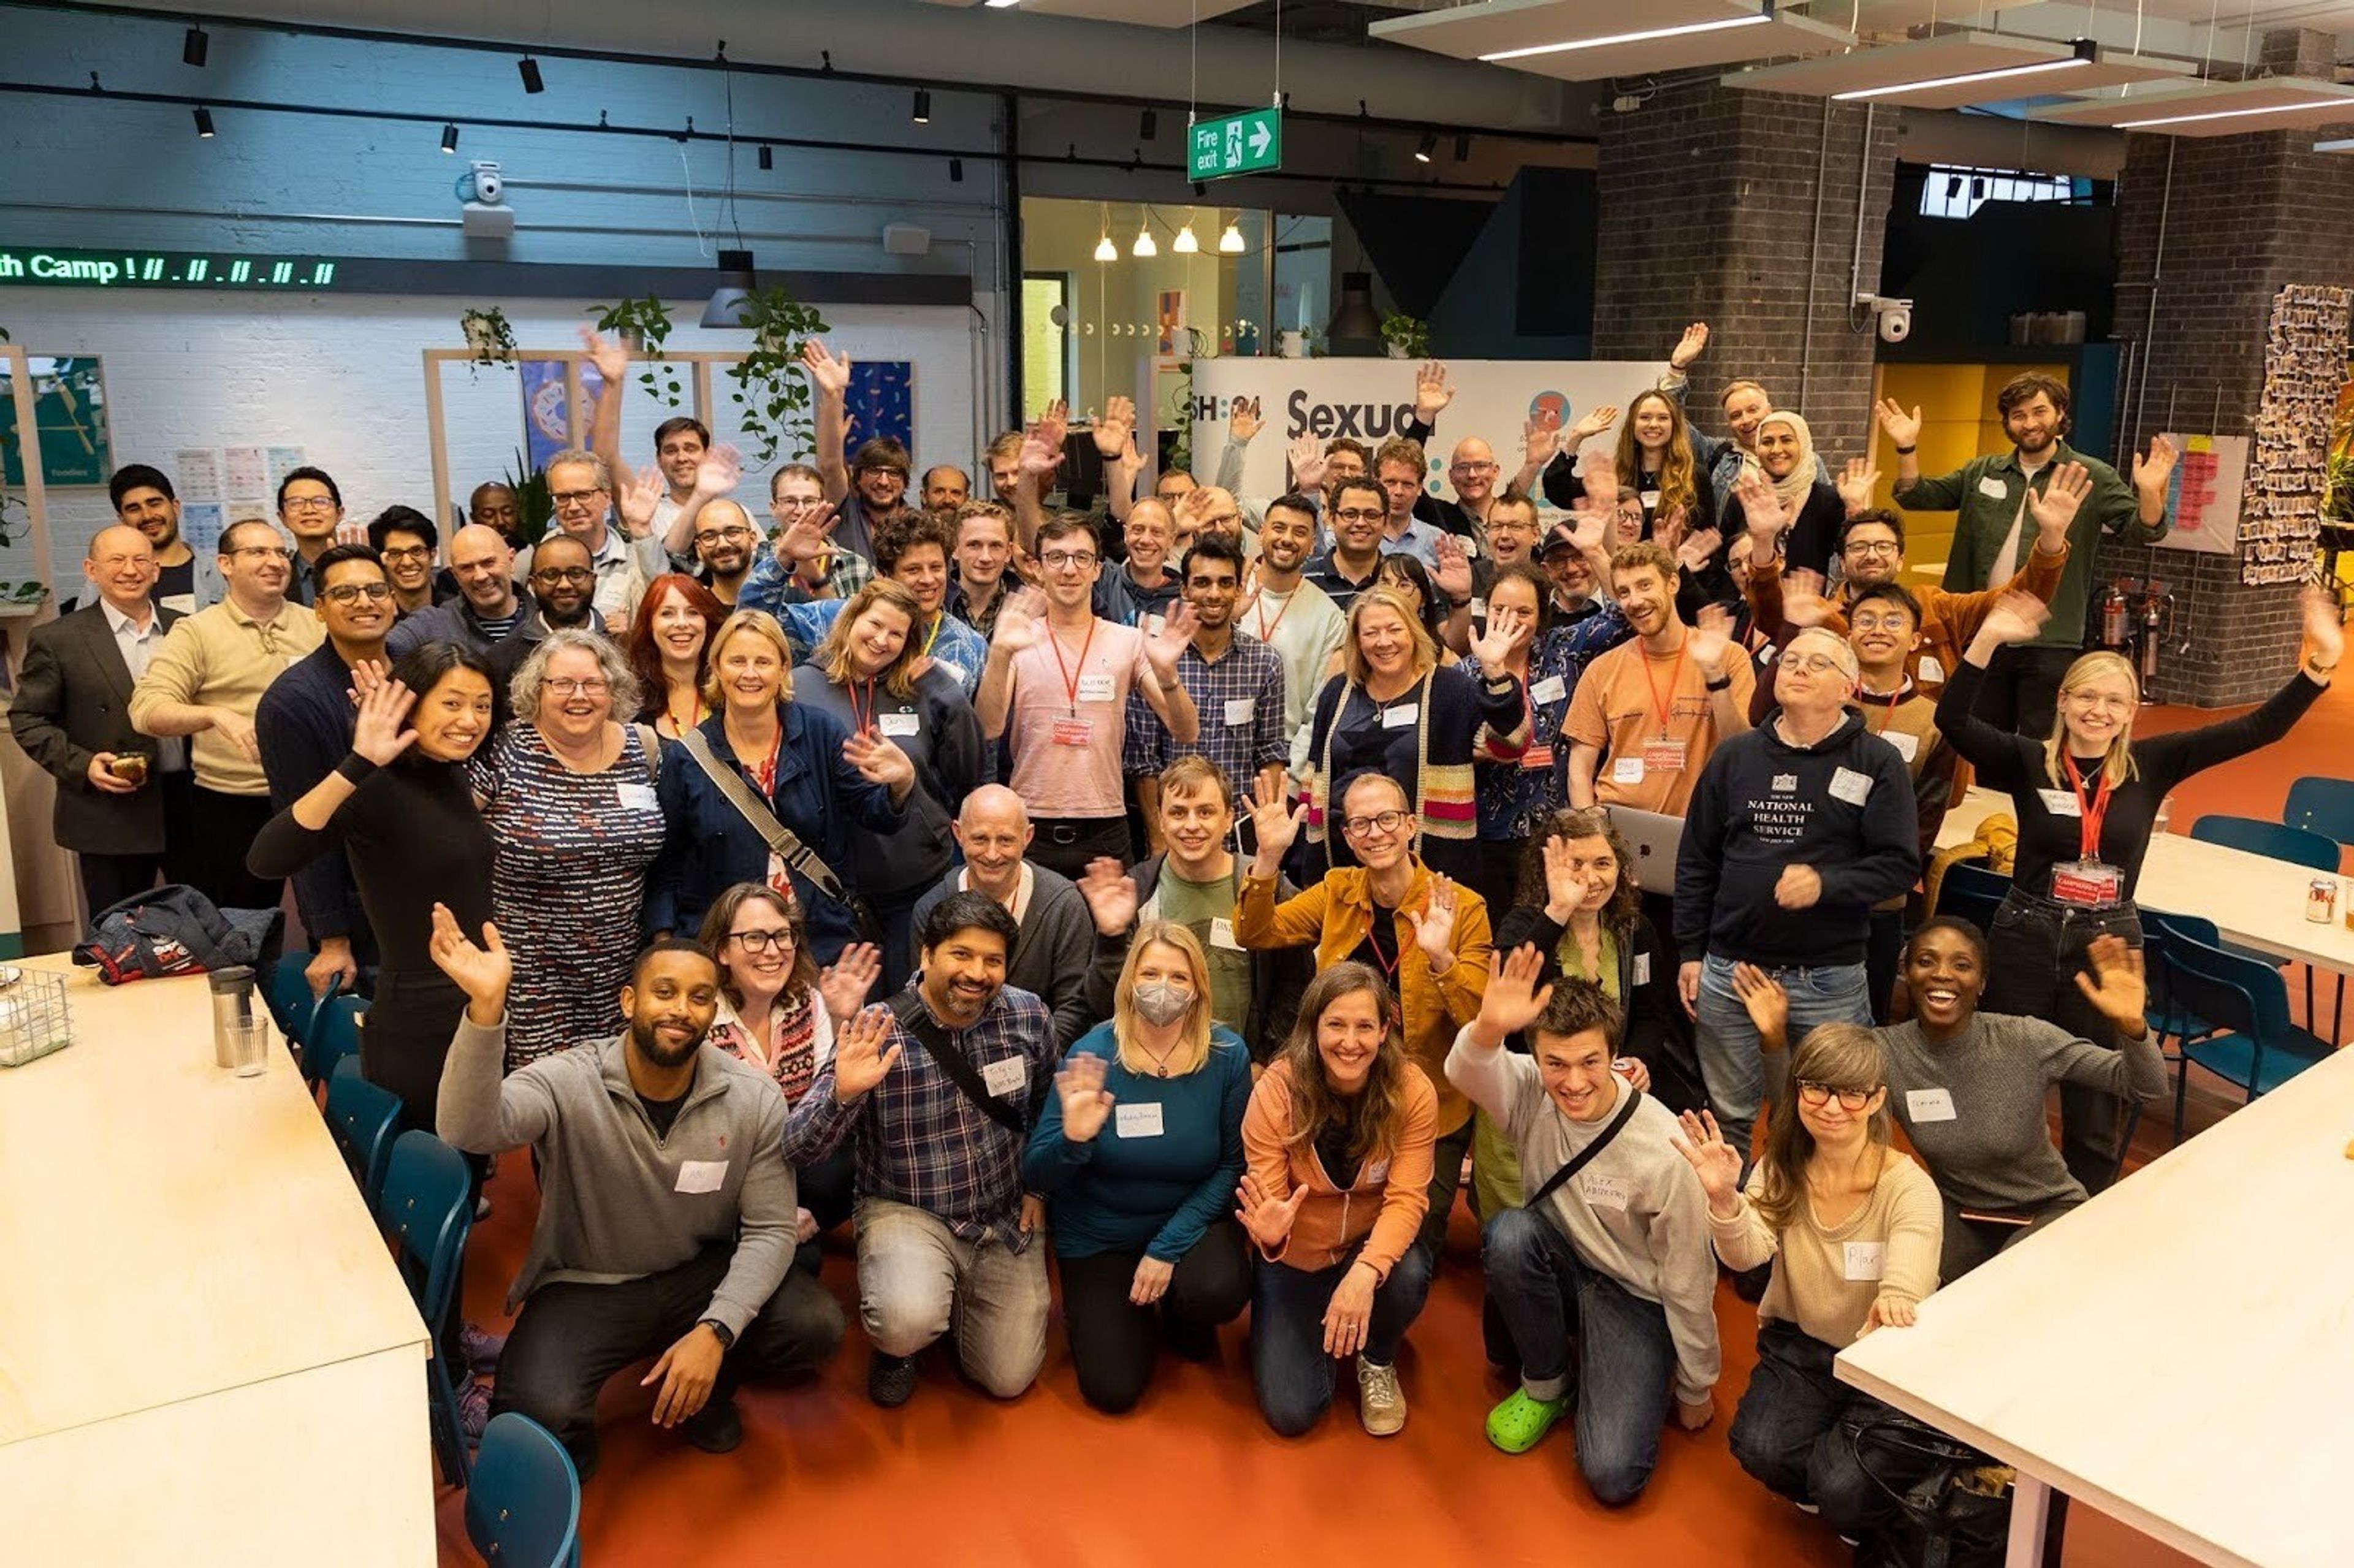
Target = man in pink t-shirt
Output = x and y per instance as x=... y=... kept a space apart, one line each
x=1056 y=689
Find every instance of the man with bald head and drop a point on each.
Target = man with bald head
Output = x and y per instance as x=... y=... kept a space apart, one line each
x=488 y=608
x=725 y=542
x=125 y=803
x=1142 y=586
x=1056 y=942
x=946 y=488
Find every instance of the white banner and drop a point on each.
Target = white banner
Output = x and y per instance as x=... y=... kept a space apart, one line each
x=1371 y=398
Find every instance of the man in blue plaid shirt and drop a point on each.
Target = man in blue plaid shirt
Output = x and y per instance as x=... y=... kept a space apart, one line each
x=940 y=1087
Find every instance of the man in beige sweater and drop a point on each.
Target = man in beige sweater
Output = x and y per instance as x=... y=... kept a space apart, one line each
x=204 y=682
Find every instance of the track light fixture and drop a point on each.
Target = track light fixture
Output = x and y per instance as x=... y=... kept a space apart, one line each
x=205 y=123
x=768 y=156
x=1463 y=146
x=195 y=47
x=448 y=138
x=923 y=107
x=529 y=68
x=1429 y=145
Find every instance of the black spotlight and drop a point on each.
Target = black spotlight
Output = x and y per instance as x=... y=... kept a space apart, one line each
x=205 y=123
x=448 y=138
x=1148 y=125
x=529 y=68
x=956 y=171
x=195 y=47
x=1429 y=145
x=768 y=156
x=923 y=107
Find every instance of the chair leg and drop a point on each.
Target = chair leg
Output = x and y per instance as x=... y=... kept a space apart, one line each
x=2181 y=1088
x=449 y=1431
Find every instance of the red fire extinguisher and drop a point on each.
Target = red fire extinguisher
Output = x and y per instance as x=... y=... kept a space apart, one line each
x=2158 y=613
x=2115 y=618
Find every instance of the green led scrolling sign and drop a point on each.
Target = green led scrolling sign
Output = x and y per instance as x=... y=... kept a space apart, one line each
x=59 y=267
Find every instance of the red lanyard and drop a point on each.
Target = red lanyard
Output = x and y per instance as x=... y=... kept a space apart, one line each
x=1071 y=682
x=2093 y=811
x=861 y=720
x=764 y=773
x=1267 y=632
x=1888 y=708
x=1665 y=705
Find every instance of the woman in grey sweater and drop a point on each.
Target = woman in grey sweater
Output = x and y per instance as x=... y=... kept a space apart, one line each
x=1968 y=1088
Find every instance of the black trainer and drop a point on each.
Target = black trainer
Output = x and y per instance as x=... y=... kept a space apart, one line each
x=716 y=1428
x=1189 y=1340
x=890 y=1380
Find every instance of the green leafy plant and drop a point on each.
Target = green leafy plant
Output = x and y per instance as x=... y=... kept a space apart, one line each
x=1180 y=420
x=644 y=324
x=535 y=508
x=772 y=397
x=490 y=335
x=1409 y=335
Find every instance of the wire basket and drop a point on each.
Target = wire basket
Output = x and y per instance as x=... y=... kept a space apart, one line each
x=34 y=1017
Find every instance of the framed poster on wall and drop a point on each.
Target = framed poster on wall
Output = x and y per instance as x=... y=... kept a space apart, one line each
x=2205 y=491
x=69 y=412
x=881 y=402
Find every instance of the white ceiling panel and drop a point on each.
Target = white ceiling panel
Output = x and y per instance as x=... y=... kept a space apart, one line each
x=1586 y=40
x=2211 y=108
x=1135 y=13
x=1955 y=70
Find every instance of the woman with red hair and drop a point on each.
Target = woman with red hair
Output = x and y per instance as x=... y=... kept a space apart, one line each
x=669 y=644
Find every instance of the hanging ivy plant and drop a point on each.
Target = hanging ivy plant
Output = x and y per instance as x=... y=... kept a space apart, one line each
x=644 y=324
x=490 y=335
x=772 y=397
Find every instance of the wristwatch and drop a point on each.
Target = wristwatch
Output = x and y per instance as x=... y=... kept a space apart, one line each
x=1721 y=683
x=727 y=1337
x=1906 y=451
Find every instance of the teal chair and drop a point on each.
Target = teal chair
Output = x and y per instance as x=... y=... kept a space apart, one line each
x=523 y=1507
x=335 y=1034
x=2246 y=1001
x=2159 y=931
x=287 y=993
x=2324 y=806
x=1972 y=893
x=2273 y=841
x=364 y=1120
x=427 y=1208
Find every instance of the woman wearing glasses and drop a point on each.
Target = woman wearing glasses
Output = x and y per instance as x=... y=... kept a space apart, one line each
x=568 y=791
x=668 y=642
x=1851 y=1229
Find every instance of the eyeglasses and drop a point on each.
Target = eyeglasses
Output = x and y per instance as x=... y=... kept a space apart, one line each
x=714 y=535
x=351 y=593
x=1471 y=468
x=411 y=553
x=116 y=563
x=1223 y=520
x=307 y=504
x=1898 y=621
x=563 y=574
x=1820 y=1094
x=1357 y=514
x=566 y=686
x=1067 y=560
x=763 y=941
x=279 y=551
x=563 y=498
x=1380 y=822
x=1872 y=547
x=1812 y=664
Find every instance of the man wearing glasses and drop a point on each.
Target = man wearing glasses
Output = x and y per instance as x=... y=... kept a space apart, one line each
x=563 y=584
x=1794 y=829
x=405 y=539
x=581 y=488
x=1347 y=569
x=310 y=508
x=304 y=725
x=205 y=681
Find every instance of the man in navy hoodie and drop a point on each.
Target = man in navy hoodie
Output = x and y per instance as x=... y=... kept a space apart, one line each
x=1794 y=831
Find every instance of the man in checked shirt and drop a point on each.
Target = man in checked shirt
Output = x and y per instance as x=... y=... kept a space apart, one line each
x=940 y=1086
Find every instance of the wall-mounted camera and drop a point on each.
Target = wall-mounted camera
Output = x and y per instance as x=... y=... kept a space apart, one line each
x=1893 y=317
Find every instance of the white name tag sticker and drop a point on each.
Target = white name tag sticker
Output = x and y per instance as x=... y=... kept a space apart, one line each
x=1626 y=770
x=638 y=798
x=1642 y=968
x=1863 y=1260
x=899 y=724
x=955 y=671
x=1604 y=1191
x=1930 y=1104
x=1551 y=689
x=1908 y=746
x=1992 y=488
x=1152 y=623
x=1848 y=785
x=1929 y=670
x=1376 y=1173
x=1222 y=934
x=1241 y=711
x=1097 y=688
x=1005 y=1075
x=2062 y=803
x=1137 y=1121
x=1401 y=717
x=702 y=1175
x=1478 y=610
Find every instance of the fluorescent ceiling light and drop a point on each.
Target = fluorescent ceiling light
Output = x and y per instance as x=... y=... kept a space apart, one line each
x=2296 y=108
x=1641 y=37
x=1860 y=95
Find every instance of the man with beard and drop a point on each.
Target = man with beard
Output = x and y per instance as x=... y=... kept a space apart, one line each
x=1237 y=683
x=487 y=609
x=1050 y=954
x=946 y=488
x=725 y=540
x=144 y=499
x=666 y=1218
x=563 y=591
x=1349 y=567
x=873 y=483
x=1292 y=615
x=938 y=1091
x=1992 y=535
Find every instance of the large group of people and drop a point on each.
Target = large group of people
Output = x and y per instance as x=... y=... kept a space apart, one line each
x=1202 y=893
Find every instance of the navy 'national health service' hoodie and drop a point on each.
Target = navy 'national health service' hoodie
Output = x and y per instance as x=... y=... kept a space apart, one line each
x=1843 y=806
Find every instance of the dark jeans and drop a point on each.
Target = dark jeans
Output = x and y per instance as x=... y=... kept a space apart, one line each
x=2033 y=956
x=1114 y=1342
x=1807 y=1436
x=1446 y=1158
x=1499 y=874
x=1293 y=1374
x=1066 y=844
x=226 y=826
x=1884 y=948
x=1970 y=1243
x=109 y=879
x=895 y=912
x=1547 y=1297
x=571 y=1336
x=2021 y=691
x=826 y=1190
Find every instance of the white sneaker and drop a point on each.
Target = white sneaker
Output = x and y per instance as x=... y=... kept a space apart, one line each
x=1381 y=1405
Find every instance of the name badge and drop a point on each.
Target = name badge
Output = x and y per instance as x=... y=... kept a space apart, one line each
x=1241 y=711
x=1401 y=717
x=1929 y=1105
x=1005 y=1074
x=1479 y=608
x=1848 y=785
x=1137 y=1121
x=1604 y=1191
x=1929 y=671
x=1376 y=1173
x=2088 y=885
x=1075 y=732
x=956 y=670
x=638 y=798
x=1863 y=1260
x=1642 y=968
x=2061 y=802
x=1097 y=688
x=899 y=724
x=1908 y=744
x=701 y=1175
x=1664 y=754
x=1992 y=488
x=1537 y=759
x=1222 y=934
x=1626 y=770
x=1551 y=689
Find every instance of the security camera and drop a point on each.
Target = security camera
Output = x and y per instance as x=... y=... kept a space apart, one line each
x=1894 y=317
x=487 y=183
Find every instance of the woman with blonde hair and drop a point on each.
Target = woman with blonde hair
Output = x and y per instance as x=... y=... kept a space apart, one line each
x=871 y=672
x=1338 y=1138
x=1852 y=1230
x=2087 y=800
x=1137 y=1154
x=1395 y=709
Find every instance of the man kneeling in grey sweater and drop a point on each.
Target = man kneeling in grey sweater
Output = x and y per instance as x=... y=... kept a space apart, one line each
x=667 y=1210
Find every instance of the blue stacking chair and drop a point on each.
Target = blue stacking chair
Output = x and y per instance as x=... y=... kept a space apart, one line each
x=2273 y=841
x=2324 y=806
x=335 y=1037
x=523 y=1507
x=364 y=1118
x=2246 y=1002
x=1972 y=893
x=287 y=991
x=2168 y=1019
x=427 y=1208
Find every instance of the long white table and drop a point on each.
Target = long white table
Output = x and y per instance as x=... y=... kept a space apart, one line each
x=207 y=1354
x=2179 y=1352
x=2254 y=901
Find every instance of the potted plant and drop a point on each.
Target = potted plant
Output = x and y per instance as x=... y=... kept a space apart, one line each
x=489 y=335
x=644 y=326
x=535 y=509
x=771 y=396
x=1406 y=337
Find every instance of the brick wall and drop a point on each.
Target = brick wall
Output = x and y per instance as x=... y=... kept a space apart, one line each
x=1709 y=204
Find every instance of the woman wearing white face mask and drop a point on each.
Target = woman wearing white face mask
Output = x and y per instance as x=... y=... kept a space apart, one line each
x=1137 y=1154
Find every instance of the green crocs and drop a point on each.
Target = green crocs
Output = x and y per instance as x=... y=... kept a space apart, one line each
x=1520 y=1422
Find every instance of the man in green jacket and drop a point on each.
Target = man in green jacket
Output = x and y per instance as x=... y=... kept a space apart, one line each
x=1993 y=533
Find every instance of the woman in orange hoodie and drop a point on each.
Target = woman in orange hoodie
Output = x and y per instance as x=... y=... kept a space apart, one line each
x=1338 y=1141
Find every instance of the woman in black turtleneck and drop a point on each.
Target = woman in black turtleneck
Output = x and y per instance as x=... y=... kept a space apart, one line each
x=2087 y=800
x=399 y=807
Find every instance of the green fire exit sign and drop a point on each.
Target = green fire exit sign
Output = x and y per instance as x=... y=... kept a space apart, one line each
x=1243 y=143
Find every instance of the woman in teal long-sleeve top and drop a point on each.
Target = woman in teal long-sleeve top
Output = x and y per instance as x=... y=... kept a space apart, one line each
x=1137 y=1154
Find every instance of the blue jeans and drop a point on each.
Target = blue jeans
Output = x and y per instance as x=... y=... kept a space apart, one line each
x=1809 y=1436
x=1625 y=1361
x=1730 y=1062
x=1288 y=1365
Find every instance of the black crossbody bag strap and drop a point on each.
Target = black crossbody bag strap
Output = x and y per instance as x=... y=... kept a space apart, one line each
x=780 y=837
x=1585 y=1155
x=916 y=1019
